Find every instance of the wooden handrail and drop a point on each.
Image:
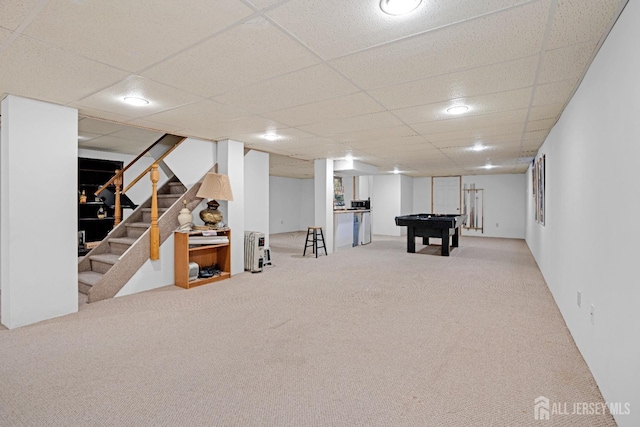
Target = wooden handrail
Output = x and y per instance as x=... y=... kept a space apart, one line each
x=120 y=173
x=144 y=172
x=118 y=212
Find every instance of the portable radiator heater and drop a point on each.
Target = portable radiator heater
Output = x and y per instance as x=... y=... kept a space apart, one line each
x=253 y=251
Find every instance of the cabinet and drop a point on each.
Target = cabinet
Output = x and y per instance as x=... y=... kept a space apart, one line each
x=92 y=173
x=204 y=255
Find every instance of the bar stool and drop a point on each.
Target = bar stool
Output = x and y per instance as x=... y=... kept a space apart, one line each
x=312 y=241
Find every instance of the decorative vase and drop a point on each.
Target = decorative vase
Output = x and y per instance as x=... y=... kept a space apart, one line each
x=185 y=218
x=83 y=197
x=101 y=213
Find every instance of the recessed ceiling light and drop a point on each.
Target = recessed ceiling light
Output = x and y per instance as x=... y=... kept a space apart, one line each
x=134 y=100
x=270 y=136
x=488 y=166
x=458 y=109
x=399 y=7
x=396 y=171
x=478 y=147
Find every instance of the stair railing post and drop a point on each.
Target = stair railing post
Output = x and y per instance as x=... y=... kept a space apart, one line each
x=118 y=209
x=155 y=231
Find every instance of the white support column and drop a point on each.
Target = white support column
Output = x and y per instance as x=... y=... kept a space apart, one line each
x=231 y=163
x=256 y=181
x=38 y=211
x=323 y=194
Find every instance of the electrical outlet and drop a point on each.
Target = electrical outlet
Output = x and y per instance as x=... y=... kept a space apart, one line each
x=592 y=314
x=579 y=299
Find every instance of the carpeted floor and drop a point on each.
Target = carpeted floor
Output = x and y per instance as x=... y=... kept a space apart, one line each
x=368 y=336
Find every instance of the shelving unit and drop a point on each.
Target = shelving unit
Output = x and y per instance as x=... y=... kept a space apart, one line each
x=92 y=173
x=203 y=255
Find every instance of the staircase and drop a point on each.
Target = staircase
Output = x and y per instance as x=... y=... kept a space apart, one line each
x=109 y=266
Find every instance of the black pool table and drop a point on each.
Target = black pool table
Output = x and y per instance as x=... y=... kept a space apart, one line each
x=432 y=225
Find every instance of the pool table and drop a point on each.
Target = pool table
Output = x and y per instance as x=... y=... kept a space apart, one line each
x=432 y=225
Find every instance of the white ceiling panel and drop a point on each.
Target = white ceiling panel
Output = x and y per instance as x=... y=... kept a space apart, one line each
x=132 y=34
x=579 y=21
x=202 y=113
x=28 y=66
x=356 y=104
x=498 y=77
x=228 y=61
x=549 y=111
x=302 y=87
x=475 y=134
x=264 y=4
x=540 y=125
x=14 y=12
x=499 y=37
x=160 y=98
x=354 y=124
x=552 y=93
x=479 y=105
x=566 y=63
x=473 y=122
x=343 y=27
x=373 y=135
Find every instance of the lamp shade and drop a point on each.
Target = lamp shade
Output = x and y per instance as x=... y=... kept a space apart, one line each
x=215 y=186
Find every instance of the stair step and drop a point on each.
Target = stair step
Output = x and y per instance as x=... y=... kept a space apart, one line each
x=137 y=229
x=103 y=262
x=86 y=279
x=146 y=214
x=166 y=200
x=177 y=188
x=119 y=245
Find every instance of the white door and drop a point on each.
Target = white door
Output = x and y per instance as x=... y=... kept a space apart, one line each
x=446 y=195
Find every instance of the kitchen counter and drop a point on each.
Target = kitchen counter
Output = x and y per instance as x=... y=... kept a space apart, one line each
x=351 y=227
x=342 y=211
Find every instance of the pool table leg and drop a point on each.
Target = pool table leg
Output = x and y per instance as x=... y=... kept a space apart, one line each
x=411 y=240
x=454 y=239
x=445 y=242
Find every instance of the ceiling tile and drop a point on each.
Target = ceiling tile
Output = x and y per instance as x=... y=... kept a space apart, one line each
x=342 y=27
x=231 y=129
x=346 y=106
x=150 y=124
x=132 y=35
x=248 y=53
x=285 y=135
x=552 y=93
x=114 y=144
x=298 y=88
x=14 y=12
x=499 y=77
x=199 y=114
x=479 y=105
x=28 y=67
x=264 y=4
x=95 y=126
x=540 y=125
x=473 y=122
x=353 y=124
x=549 y=111
x=372 y=135
x=579 y=21
x=160 y=98
x=499 y=37
x=137 y=134
x=566 y=63
x=475 y=134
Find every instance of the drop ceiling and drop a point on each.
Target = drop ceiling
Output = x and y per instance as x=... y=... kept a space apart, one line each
x=331 y=78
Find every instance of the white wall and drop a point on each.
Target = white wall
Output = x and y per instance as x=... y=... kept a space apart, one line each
x=365 y=184
x=323 y=199
x=231 y=162
x=504 y=204
x=38 y=205
x=422 y=195
x=256 y=192
x=386 y=205
x=291 y=204
x=590 y=241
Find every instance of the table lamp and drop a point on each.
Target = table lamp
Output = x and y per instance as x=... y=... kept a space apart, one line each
x=215 y=186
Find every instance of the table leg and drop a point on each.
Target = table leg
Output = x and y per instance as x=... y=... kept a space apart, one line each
x=445 y=242
x=454 y=239
x=411 y=240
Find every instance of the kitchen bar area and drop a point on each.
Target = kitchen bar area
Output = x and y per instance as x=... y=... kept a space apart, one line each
x=351 y=217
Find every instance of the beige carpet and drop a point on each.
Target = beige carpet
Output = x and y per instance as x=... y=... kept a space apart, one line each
x=369 y=336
